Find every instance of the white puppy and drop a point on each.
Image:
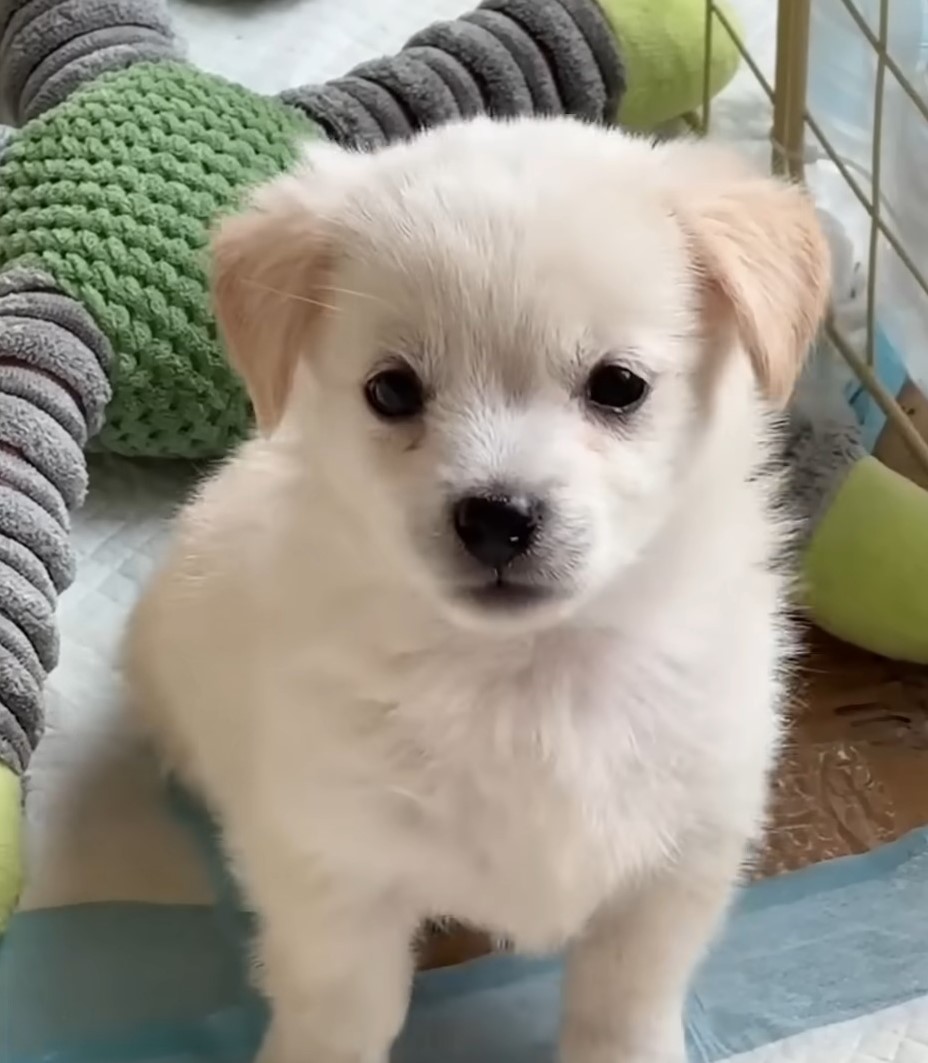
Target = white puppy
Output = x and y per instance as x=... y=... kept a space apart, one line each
x=486 y=624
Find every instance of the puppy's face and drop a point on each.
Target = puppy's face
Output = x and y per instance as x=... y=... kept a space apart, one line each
x=499 y=342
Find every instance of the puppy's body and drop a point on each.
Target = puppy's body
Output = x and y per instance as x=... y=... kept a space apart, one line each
x=509 y=781
x=587 y=766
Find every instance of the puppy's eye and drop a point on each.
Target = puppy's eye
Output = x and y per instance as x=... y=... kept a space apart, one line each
x=614 y=387
x=395 y=394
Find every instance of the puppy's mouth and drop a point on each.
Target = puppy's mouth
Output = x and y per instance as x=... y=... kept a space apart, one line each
x=507 y=594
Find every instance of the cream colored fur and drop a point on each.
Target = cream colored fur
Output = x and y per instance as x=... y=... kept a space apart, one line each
x=588 y=771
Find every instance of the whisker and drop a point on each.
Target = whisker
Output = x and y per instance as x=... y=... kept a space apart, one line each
x=351 y=291
x=291 y=295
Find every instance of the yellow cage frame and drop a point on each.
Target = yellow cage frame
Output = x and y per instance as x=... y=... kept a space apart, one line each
x=791 y=120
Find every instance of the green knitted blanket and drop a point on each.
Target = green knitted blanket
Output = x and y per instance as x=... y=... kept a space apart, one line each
x=113 y=193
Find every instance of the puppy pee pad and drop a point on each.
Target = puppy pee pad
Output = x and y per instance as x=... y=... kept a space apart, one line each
x=821 y=966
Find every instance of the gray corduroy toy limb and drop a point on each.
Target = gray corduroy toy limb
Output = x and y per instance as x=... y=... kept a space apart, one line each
x=49 y=48
x=824 y=441
x=53 y=358
x=507 y=58
x=53 y=392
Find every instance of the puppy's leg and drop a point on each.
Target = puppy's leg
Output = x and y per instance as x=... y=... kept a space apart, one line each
x=628 y=975
x=337 y=968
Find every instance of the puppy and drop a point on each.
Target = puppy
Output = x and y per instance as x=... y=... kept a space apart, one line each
x=486 y=621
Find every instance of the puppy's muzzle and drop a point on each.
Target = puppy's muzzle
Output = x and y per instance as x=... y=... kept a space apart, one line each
x=497 y=529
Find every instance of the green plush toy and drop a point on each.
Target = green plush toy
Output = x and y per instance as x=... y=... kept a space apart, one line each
x=865 y=527
x=865 y=568
x=10 y=842
x=664 y=49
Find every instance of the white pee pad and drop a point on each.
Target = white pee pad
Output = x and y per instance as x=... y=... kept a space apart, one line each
x=894 y=1035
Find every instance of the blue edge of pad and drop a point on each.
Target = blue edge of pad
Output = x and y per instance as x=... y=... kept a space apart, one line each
x=145 y=983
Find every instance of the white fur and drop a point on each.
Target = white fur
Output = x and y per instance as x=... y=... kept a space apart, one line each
x=587 y=773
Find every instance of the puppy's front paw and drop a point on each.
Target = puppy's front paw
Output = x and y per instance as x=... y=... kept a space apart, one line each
x=618 y=1055
x=666 y=1046
x=271 y=1053
x=613 y=1054
x=292 y=1049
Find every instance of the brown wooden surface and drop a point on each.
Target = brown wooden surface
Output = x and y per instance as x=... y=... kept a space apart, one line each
x=853 y=774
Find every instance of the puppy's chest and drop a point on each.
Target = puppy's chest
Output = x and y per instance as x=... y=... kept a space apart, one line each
x=521 y=797
x=524 y=852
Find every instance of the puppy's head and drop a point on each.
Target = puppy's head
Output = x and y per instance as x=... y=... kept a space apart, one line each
x=502 y=344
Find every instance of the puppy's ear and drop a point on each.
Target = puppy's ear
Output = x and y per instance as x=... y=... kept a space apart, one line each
x=763 y=262
x=270 y=266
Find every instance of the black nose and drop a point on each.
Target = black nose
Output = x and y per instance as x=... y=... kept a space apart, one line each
x=496 y=529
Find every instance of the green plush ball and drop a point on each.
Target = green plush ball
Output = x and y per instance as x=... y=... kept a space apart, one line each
x=663 y=44
x=113 y=194
x=866 y=568
x=10 y=843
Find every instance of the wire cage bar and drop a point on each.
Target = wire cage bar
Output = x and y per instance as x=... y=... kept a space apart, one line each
x=792 y=122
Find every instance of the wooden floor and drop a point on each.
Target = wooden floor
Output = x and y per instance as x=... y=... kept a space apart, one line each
x=854 y=773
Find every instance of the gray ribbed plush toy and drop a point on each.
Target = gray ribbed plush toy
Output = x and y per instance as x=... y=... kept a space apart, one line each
x=73 y=336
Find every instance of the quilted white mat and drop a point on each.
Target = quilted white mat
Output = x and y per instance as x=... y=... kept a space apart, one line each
x=95 y=829
x=895 y=1035
x=271 y=45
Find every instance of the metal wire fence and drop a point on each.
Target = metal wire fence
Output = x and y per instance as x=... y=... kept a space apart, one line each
x=792 y=125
